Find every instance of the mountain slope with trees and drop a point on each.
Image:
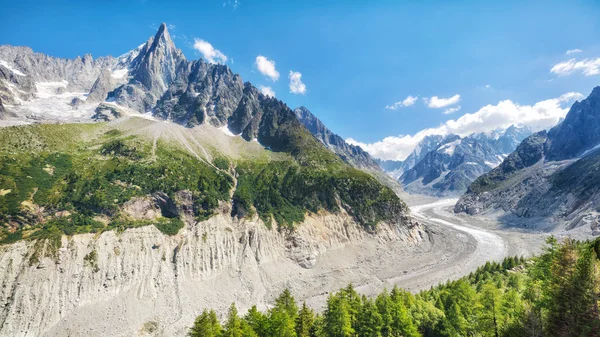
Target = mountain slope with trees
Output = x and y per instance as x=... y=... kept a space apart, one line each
x=555 y=294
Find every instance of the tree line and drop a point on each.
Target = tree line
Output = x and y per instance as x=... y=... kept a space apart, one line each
x=554 y=294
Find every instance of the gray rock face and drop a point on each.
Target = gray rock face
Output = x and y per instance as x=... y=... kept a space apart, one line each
x=105 y=113
x=579 y=132
x=80 y=72
x=15 y=87
x=156 y=66
x=455 y=162
x=101 y=87
x=552 y=175
x=203 y=93
x=353 y=155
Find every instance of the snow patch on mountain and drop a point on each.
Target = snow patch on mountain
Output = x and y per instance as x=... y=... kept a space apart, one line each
x=119 y=73
x=225 y=130
x=11 y=68
x=450 y=147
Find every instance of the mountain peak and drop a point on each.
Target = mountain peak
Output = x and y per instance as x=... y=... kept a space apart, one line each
x=162 y=34
x=155 y=68
x=578 y=132
x=162 y=27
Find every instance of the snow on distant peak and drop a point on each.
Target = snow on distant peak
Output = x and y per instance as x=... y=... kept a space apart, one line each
x=11 y=68
x=126 y=59
x=119 y=73
x=450 y=147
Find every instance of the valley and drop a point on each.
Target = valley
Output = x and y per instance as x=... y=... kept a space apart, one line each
x=137 y=191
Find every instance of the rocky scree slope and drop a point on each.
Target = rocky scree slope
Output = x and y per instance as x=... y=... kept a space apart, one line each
x=551 y=175
x=455 y=162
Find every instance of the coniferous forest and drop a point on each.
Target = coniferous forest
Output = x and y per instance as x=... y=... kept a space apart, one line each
x=554 y=294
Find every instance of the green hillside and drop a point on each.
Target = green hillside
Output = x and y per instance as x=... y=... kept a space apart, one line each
x=76 y=178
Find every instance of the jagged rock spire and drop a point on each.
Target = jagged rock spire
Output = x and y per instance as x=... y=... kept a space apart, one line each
x=156 y=65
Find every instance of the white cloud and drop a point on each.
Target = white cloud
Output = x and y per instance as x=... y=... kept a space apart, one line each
x=211 y=54
x=437 y=102
x=588 y=67
x=296 y=85
x=451 y=110
x=541 y=115
x=408 y=101
x=171 y=26
x=573 y=51
x=267 y=67
x=267 y=91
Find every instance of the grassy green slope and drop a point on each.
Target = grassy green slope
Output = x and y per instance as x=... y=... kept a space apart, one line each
x=76 y=178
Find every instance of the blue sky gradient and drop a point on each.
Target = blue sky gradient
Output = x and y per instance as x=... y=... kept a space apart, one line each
x=355 y=57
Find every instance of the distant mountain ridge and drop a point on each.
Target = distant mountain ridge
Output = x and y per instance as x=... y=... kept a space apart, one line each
x=352 y=154
x=552 y=175
x=446 y=165
x=396 y=168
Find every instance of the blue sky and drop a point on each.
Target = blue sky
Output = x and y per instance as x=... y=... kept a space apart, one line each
x=355 y=57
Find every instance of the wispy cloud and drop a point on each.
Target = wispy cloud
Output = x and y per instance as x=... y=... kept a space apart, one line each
x=267 y=91
x=451 y=110
x=439 y=102
x=541 y=115
x=211 y=54
x=587 y=67
x=231 y=3
x=408 y=101
x=266 y=67
x=296 y=85
x=573 y=51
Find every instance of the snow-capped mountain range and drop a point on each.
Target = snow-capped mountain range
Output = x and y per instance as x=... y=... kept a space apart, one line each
x=446 y=165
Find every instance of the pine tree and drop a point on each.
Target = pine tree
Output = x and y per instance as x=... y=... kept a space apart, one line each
x=281 y=324
x=369 y=321
x=337 y=320
x=511 y=307
x=384 y=305
x=257 y=321
x=206 y=325
x=282 y=318
x=490 y=317
x=402 y=322
x=287 y=303
x=305 y=322
x=235 y=326
x=354 y=302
